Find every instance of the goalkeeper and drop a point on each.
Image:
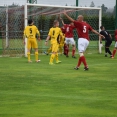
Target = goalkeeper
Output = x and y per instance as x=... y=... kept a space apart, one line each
x=30 y=32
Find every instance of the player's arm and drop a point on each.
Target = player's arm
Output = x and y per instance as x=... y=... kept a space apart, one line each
x=94 y=31
x=62 y=21
x=46 y=41
x=72 y=20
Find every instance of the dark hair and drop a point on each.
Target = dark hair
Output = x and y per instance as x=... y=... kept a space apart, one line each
x=30 y=21
x=101 y=27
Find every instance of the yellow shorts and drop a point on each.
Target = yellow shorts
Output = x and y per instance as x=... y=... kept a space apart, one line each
x=32 y=43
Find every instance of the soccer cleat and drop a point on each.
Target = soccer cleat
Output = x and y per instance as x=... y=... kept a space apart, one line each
x=105 y=55
x=112 y=57
x=38 y=61
x=30 y=61
x=76 y=68
x=46 y=53
x=86 y=68
x=73 y=57
x=58 y=61
x=51 y=63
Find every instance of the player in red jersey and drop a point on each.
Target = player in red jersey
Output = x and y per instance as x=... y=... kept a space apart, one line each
x=115 y=49
x=83 y=29
x=68 y=30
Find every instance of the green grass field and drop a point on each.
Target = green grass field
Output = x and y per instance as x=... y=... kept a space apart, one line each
x=42 y=90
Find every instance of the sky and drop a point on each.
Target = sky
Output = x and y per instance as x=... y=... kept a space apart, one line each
x=107 y=3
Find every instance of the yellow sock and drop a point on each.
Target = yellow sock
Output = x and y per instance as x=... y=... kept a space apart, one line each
x=52 y=58
x=28 y=54
x=56 y=56
x=49 y=50
x=36 y=56
x=60 y=50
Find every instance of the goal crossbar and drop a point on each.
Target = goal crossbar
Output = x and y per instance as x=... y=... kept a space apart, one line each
x=58 y=10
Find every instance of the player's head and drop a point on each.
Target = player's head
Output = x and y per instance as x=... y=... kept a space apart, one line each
x=102 y=28
x=56 y=23
x=30 y=22
x=80 y=18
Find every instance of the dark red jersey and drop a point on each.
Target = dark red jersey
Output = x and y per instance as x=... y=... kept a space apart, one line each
x=83 y=29
x=69 y=30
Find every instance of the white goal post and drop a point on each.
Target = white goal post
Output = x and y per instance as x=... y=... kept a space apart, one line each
x=42 y=9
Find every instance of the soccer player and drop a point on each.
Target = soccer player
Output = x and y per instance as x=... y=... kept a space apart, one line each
x=108 y=40
x=54 y=34
x=30 y=32
x=62 y=42
x=83 y=29
x=115 y=49
x=69 y=38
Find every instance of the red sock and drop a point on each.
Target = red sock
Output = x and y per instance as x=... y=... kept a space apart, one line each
x=67 y=51
x=73 y=52
x=114 y=51
x=65 y=48
x=84 y=61
x=79 y=62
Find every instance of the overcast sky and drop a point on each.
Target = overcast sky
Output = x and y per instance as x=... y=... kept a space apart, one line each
x=107 y=3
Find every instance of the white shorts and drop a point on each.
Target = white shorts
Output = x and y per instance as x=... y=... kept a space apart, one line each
x=82 y=44
x=116 y=44
x=69 y=41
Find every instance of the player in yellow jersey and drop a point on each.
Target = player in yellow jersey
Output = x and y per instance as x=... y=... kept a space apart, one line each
x=54 y=34
x=30 y=32
x=62 y=42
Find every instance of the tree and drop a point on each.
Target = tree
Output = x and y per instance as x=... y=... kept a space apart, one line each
x=92 y=4
x=104 y=9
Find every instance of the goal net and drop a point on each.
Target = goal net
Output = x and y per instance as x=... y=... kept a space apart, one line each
x=15 y=19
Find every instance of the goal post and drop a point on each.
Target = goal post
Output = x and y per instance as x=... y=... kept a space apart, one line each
x=43 y=16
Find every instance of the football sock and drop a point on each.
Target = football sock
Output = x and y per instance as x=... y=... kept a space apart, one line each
x=49 y=50
x=79 y=62
x=73 y=52
x=114 y=51
x=60 y=49
x=65 y=47
x=52 y=58
x=56 y=57
x=28 y=54
x=84 y=61
x=108 y=50
x=67 y=51
x=36 y=56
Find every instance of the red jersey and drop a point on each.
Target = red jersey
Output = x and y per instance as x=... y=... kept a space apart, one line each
x=116 y=35
x=63 y=29
x=82 y=29
x=69 y=30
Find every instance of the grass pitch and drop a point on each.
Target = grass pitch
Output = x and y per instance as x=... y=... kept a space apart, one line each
x=42 y=90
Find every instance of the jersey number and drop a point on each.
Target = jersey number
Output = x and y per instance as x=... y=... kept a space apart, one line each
x=67 y=30
x=30 y=30
x=53 y=32
x=84 y=29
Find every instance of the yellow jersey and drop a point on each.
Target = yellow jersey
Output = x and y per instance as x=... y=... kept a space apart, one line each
x=54 y=33
x=31 y=31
